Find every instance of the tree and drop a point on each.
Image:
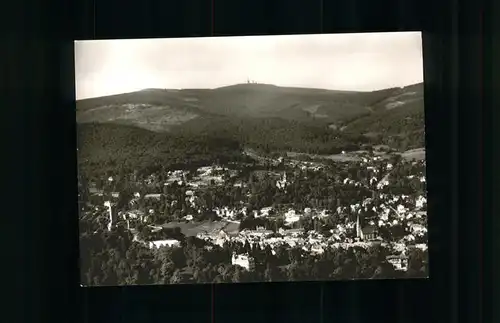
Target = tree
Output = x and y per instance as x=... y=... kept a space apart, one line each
x=237 y=275
x=178 y=258
x=294 y=272
x=395 y=159
x=197 y=275
x=293 y=255
x=218 y=279
x=247 y=248
x=176 y=277
x=416 y=266
x=338 y=273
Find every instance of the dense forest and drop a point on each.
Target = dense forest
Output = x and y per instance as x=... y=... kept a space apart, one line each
x=111 y=148
x=104 y=147
x=275 y=134
x=401 y=128
x=276 y=120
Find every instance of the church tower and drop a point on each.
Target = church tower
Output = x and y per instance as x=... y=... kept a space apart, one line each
x=359 y=231
x=111 y=214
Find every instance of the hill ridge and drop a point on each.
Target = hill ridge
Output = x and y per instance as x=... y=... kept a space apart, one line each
x=163 y=108
x=281 y=119
x=248 y=85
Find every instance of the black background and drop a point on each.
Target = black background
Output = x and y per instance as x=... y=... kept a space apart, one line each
x=41 y=248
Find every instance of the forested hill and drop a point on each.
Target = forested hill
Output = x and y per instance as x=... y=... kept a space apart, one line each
x=110 y=148
x=161 y=128
x=274 y=134
x=398 y=120
x=160 y=109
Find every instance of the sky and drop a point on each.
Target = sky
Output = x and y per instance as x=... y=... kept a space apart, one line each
x=350 y=62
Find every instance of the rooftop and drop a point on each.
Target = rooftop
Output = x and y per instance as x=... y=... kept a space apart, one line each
x=369 y=229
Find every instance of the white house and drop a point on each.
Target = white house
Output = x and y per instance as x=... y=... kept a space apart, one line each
x=382 y=184
x=258 y=233
x=401 y=209
x=265 y=210
x=152 y=196
x=289 y=219
x=420 y=214
x=420 y=202
x=163 y=243
x=399 y=262
x=418 y=229
x=421 y=246
x=242 y=260
x=322 y=214
x=220 y=238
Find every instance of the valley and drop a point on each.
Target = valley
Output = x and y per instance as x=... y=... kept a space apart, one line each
x=252 y=182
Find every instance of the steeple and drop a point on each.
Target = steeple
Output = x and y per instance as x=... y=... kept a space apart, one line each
x=111 y=215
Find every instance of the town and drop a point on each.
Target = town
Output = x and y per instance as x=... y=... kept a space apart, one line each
x=359 y=214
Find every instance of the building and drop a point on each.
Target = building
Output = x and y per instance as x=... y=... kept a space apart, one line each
x=418 y=229
x=243 y=260
x=152 y=196
x=163 y=243
x=291 y=232
x=220 y=238
x=258 y=233
x=291 y=217
x=111 y=213
x=370 y=232
x=399 y=262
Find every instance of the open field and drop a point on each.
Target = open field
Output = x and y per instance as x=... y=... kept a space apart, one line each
x=354 y=156
x=415 y=154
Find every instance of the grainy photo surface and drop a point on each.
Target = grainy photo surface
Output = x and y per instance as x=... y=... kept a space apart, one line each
x=251 y=159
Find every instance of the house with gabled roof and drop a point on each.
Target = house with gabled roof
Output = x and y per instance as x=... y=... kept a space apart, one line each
x=399 y=262
x=370 y=232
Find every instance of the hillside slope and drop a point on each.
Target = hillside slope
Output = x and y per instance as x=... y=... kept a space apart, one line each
x=398 y=120
x=110 y=146
x=161 y=109
x=171 y=128
x=300 y=104
x=155 y=110
x=104 y=148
